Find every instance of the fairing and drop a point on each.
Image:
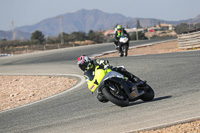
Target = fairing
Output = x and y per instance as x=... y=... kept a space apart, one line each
x=96 y=78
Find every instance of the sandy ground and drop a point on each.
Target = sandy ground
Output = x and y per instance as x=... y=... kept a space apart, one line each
x=192 y=127
x=19 y=90
x=158 y=48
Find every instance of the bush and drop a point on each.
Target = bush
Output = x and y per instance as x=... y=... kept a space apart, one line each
x=141 y=36
x=37 y=37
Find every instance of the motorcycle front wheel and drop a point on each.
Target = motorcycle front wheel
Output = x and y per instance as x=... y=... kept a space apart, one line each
x=125 y=49
x=119 y=99
x=148 y=95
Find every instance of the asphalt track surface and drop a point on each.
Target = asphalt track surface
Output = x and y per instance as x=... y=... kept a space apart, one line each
x=175 y=78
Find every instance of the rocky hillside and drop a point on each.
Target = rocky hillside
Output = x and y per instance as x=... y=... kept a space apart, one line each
x=85 y=20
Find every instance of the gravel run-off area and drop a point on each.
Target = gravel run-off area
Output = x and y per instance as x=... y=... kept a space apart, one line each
x=20 y=90
x=16 y=91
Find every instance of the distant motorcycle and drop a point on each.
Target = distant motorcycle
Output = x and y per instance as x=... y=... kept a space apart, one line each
x=116 y=88
x=123 y=46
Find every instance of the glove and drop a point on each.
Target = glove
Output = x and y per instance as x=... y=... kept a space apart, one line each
x=106 y=66
x=101 y=62
x=119 y=69
x=86 y=78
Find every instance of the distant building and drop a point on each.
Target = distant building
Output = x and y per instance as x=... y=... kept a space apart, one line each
x=109 y=33
x=161 y=27
x=153 y=29
x=132 y=30
x=165 y=26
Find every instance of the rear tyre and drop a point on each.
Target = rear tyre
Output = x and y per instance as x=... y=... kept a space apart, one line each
x=148 y=95
x=118 y=99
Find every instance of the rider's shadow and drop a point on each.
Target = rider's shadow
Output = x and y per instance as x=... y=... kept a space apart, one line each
x=155 y=99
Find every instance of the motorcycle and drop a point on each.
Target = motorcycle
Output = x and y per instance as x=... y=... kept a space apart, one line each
x=116 y=88
x=123 y=46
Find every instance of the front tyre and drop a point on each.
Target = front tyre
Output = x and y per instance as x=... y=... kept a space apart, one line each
x=148 y=95
x=125 y=50
x=119 y=99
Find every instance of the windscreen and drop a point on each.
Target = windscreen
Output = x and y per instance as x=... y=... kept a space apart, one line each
x=90 y=73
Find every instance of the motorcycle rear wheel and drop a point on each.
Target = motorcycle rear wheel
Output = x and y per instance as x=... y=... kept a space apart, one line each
x=118 y=99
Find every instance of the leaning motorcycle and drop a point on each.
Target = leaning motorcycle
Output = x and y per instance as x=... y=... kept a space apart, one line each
x=116 y=88
x=123 y=46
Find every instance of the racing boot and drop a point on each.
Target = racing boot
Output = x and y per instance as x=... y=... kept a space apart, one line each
x=120 y=54
x=101 y=98
x=125 y=53
x=116 y=47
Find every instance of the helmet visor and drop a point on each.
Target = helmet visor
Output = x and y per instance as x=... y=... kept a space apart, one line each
x=83 y=66
x=119 y=27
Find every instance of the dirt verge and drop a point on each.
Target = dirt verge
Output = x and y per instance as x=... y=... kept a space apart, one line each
x=20 y=90
x=166 y=47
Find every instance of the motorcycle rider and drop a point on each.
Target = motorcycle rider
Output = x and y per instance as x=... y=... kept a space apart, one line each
x=120 y=32
x=86 y=64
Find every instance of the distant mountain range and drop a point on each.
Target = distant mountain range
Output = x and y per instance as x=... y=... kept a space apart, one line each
x=85 y=20
x=18 y=35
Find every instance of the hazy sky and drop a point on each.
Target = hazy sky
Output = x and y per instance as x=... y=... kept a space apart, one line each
x=29 y=12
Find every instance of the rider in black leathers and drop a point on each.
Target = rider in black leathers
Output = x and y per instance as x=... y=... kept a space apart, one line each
x=120 y=32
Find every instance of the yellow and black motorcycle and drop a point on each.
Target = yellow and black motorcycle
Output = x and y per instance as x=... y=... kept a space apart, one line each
x=116 y=88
